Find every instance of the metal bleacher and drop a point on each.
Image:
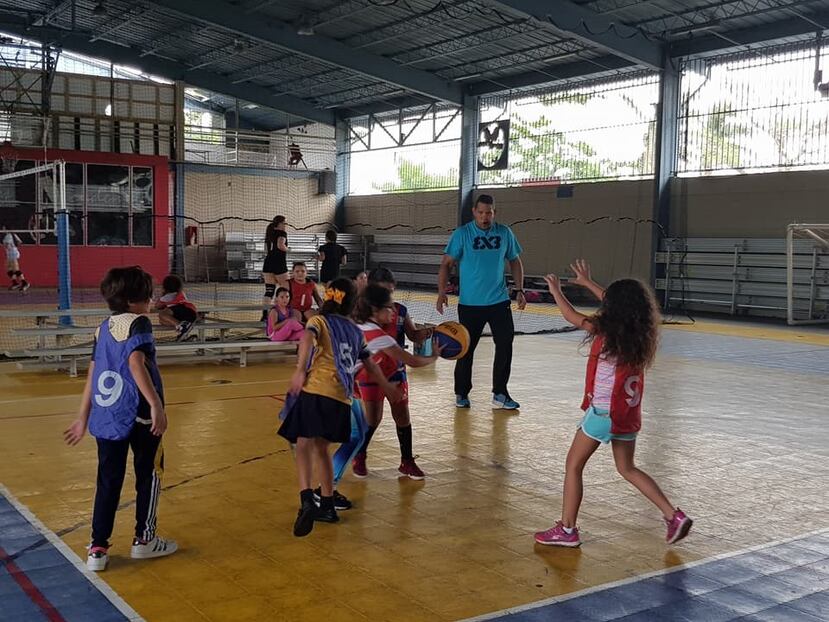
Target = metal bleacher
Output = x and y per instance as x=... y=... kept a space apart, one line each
x=414 y=259
x=742 y=276
x=245 y=253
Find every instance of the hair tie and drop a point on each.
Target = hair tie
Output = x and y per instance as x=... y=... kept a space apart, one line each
x=337 y=295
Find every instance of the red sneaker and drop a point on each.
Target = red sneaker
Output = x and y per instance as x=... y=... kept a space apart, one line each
x=678 y=527
x=557 y=536
x=408 y=467
x=358 y=466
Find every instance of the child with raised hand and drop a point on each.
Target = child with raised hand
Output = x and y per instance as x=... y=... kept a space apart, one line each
x=318 y=407
x=281 y=325
x=123 y=405
x=623 y=336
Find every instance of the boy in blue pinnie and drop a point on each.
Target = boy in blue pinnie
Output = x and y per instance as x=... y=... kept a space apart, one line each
x=123 y=406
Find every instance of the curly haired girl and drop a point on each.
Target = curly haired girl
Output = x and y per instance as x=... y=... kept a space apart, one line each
x=623 y=336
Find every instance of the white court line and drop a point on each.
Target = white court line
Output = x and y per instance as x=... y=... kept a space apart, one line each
x=642 y=577
x=110 y=594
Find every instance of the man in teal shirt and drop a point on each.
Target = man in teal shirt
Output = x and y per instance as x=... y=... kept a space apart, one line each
x=481 y=248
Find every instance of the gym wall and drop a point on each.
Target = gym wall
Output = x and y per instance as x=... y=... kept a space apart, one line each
x=224 y=200
x=753 y=206
x=413 y=210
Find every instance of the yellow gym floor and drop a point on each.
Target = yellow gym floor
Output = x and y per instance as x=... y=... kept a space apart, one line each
x=734 y=430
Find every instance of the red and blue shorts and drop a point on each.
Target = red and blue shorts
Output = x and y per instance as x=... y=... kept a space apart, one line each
x=371 y=392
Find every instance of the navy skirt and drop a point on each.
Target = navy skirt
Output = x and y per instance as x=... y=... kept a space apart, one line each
x=317 y=416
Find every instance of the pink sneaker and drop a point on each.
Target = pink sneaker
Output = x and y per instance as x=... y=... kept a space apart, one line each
x=556 y=536
x=358 y=466
x=678 y=527
x=410 y=469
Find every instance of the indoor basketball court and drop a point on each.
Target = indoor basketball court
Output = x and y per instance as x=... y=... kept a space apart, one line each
x=229 y=149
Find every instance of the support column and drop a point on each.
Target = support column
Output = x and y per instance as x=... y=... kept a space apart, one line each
x=343 y=171
x=665 y=154
x=62 y=234
x=177 y=149
x=469 y=157
x=179 y=237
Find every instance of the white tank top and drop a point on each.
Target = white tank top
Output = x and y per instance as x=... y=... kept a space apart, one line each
x=603 y=386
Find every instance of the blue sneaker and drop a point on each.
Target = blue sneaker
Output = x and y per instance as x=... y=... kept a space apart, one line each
x=461 y=401
x=504 y=402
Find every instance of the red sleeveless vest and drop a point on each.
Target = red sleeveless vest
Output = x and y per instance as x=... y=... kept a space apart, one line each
x=626 y=399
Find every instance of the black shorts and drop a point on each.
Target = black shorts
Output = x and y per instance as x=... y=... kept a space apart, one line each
x=317 y=416
x=275 y=263
x=182 y=313
x=329 y=273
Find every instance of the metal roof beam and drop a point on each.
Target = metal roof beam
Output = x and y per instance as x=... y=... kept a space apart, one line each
x=228 y=17
x=554 y=73
x=742 y=37
x=597 y=31
x=79 y=42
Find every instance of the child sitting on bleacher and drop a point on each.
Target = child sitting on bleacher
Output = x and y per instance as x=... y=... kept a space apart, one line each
x=303 y=292
x=282 y=326
x=174 y=309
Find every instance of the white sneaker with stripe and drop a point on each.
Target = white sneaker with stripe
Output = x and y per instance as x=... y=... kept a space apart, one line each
x=157 y=547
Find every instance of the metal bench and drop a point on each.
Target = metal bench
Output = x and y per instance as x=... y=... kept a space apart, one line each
x=69 y=358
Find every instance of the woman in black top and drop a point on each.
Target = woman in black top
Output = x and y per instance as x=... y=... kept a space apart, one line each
x=332 y=256
x=275 y=268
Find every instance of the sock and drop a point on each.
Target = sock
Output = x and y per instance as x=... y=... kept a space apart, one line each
x=326 y=503
x=404 y=437
x=306 y=495
x=369 y=433
x=568 y=530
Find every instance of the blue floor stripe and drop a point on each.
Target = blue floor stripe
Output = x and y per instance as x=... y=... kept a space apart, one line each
x=784 y=582
x=65 y=587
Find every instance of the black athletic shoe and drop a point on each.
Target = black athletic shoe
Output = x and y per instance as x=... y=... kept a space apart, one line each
x=305 y=519
x=183 y=330
x=327 y=516
x=341 y=502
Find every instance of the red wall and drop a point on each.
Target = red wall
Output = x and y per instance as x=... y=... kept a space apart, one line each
x=90 y=263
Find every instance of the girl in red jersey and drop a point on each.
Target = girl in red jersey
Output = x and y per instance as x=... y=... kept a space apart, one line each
x=623 y=336
x=374 y=311
x=174 y=309
x=303 y=292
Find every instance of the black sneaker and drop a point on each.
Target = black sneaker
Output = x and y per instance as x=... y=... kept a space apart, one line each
x=183 y=330
x=305 y=519
x=341 y=502
x=327 y=516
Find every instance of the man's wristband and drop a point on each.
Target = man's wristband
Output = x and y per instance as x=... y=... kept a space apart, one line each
x=517 y=291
